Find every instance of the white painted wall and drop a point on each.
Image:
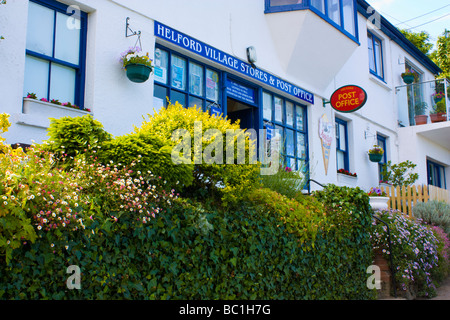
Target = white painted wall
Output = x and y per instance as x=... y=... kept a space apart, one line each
x=298 y=47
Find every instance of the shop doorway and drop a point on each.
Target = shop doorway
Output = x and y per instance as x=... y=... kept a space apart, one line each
x=247 y=114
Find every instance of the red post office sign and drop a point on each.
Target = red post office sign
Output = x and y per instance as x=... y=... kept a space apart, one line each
x=348 y=99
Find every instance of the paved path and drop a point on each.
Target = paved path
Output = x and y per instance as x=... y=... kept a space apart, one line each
x=443 y=292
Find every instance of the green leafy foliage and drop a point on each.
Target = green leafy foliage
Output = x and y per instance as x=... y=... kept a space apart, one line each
x=285 y=181
x=229 y=181
x=69 y=137
x=195 y=251
x=400 y=174
x=150 y=156
x=434 y=213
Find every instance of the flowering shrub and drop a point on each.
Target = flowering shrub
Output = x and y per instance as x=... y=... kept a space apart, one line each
x=443 y=253
x=376 y=192
x=116 y=191
x=438 y=95
x=415 y=252
x=39 y=197
x=132 y=56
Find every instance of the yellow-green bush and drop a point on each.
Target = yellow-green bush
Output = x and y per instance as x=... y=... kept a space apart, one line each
x=230 y=181
x=71 y=136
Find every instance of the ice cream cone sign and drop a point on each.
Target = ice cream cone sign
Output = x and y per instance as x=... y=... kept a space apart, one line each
x=326 y=135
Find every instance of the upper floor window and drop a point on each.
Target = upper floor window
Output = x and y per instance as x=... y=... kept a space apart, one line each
x=55 y=52
x=375 y=55
x=286 y=5
x=339 y=13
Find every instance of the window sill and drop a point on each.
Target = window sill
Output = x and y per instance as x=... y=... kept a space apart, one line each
x=33 y=106
x=37 y=113
x=380 y=82
x=346 y=180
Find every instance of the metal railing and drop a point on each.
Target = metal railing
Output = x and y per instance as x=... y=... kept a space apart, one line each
x=423 y=102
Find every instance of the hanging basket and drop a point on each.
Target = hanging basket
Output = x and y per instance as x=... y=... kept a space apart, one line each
x=138 y=72
x=408 y=79
x=375 y=157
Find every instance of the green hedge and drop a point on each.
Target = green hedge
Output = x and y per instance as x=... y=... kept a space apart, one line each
x=195 y=251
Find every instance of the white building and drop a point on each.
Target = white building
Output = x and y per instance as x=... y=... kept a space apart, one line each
x=69 y=51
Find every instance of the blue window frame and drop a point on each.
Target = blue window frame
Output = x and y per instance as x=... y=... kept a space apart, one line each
x=342 y=14
x=185 y=80
x=56 y=52
x=290 y=119
x=381 y=141
x=436 y=174
x=376 y=61
x=342 y=157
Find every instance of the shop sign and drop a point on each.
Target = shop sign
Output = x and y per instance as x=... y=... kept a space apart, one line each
x=173 y=36
x=348 y=99
x=238 y=91
x=216 y=111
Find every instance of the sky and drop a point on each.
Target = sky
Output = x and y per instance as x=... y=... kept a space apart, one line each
x=416 y=14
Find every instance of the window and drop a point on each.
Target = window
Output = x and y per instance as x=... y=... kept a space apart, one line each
x=415 y=94
x=184 y=80
x=436 y=175
x=290 y=119
x=285 y=5
x=339 y=13
x=342 y=159
x=375 y=55
x=55 y=52
x=381 y=141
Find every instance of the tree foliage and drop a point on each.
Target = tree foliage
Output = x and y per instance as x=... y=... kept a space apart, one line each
x=420 y=39
x=441 y=56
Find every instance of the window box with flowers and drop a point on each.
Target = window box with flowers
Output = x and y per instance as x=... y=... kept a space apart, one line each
x=347 y=178
x=38 y=111
x=138 y=67
x=376 y=153
x=378 y=199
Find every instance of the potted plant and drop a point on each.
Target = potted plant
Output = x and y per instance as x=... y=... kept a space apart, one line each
x=376 y=153
x=378 y=199
x=439 y=112
x=138 y=67
x=409 y=76
x=438 y=96
x=420 y=116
